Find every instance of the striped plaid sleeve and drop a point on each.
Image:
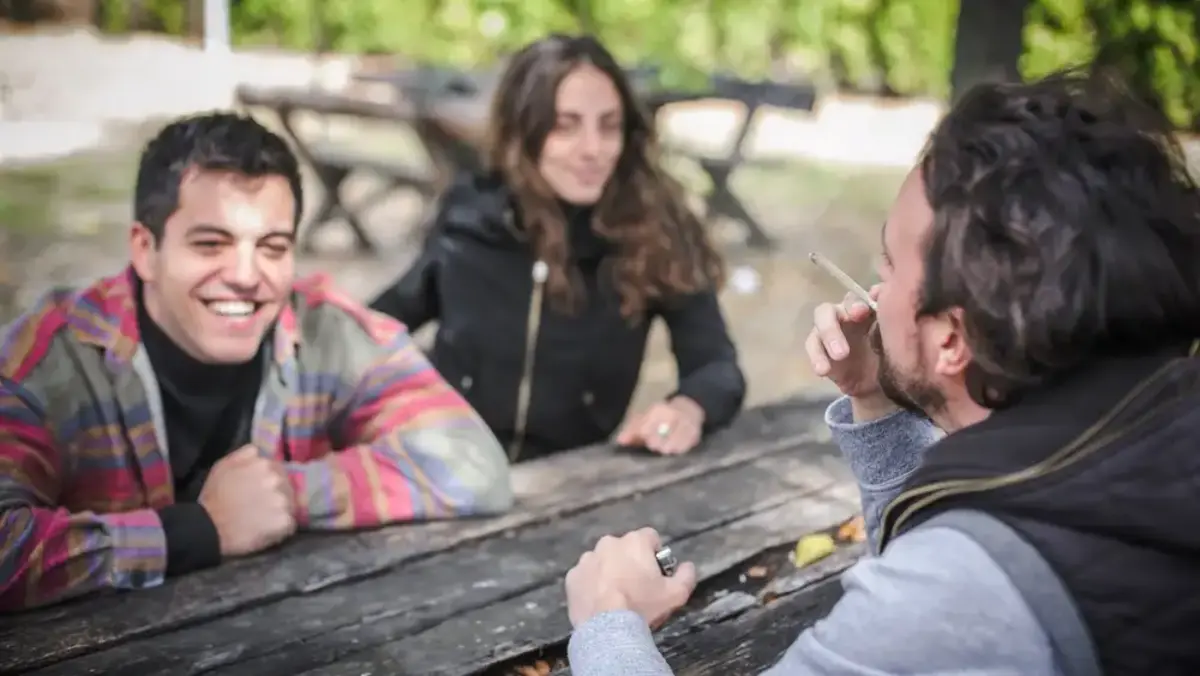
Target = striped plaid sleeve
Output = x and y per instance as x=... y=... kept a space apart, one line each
x=418 y=449
x=46 y=553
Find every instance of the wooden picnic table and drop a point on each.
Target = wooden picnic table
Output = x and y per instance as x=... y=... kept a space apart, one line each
x=486 y=595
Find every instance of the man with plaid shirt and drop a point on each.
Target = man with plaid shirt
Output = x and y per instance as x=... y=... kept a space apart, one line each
x=202 y=404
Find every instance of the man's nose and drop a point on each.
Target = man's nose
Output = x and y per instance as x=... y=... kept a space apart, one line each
x=244 y=272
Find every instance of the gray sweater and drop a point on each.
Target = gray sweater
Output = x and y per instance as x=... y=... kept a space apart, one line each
x=933 y=603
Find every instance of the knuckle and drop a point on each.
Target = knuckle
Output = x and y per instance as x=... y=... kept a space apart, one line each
x=645 y=535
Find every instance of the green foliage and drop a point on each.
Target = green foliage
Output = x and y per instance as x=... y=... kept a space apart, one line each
x=896 y=46
x=169 y=16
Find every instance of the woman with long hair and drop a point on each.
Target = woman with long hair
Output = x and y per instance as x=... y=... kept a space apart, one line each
x=545 y=270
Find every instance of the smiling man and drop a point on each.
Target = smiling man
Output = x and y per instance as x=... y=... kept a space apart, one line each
x=202 y=404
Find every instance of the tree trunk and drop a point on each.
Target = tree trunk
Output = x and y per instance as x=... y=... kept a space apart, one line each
x=194 y=19
x=988 y=43
x=33 y=11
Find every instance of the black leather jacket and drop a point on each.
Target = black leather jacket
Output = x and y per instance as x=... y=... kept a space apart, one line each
x=475 y=276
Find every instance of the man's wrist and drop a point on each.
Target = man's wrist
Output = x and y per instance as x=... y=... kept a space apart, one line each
x=193 y=542
x=871 y=407
x=607 y=604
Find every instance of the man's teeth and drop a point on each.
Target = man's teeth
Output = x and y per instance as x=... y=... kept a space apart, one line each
x=232 y=308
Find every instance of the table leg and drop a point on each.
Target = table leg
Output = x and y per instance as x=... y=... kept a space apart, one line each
x=723 y=202
x=332 y=207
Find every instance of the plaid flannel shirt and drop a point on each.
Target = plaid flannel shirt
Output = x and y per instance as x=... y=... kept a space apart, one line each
x=369 y=432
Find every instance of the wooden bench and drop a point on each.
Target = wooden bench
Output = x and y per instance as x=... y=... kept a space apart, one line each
x=486 y=595
x=753 y=96
x=430 y=86
x=334 y=164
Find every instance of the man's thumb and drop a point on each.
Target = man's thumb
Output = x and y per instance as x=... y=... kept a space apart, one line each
x=683 y=582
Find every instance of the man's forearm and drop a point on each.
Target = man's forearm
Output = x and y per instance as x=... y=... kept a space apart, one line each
x=617 y=642
x=409 y=475
x=59 y=555
x=882 y=449
x=867 y=409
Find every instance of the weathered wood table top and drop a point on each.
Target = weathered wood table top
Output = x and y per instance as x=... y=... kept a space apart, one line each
x=486 y=595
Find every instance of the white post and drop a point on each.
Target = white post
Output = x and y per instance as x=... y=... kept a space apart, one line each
x=216 y=26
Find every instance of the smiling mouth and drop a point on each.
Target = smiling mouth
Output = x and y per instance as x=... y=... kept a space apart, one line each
x=232 y=308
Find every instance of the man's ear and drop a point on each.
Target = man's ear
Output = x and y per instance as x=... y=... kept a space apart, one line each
x=954 y=352
x=143 y=248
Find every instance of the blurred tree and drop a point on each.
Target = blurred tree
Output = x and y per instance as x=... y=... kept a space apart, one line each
x=33 y=11
x=1154 y=46
x=901 y=47
x=990 y=39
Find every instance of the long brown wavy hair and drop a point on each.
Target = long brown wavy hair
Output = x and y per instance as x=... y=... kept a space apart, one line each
x=663 y=249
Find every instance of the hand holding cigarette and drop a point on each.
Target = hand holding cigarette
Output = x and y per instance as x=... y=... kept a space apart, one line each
x=838 y=346
x=845 y=279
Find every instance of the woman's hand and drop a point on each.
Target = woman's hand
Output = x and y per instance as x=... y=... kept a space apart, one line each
x=670 y=427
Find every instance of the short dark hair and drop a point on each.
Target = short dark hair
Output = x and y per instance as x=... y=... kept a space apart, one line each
x=216 y=141
x=1066 y=226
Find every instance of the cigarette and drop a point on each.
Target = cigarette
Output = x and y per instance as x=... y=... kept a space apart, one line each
x=846 y=280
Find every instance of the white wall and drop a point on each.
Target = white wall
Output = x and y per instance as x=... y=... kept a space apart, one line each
x=66 y=85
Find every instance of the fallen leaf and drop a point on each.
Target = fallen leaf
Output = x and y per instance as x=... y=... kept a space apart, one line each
x=813 y=548
x=854 y=530
x=757 y=572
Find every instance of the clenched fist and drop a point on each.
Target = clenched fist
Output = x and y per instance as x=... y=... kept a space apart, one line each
x=621 y=573
x=250 y=501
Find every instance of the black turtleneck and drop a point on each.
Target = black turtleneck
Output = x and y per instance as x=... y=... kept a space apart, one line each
x=208 y=410
x=587 y=247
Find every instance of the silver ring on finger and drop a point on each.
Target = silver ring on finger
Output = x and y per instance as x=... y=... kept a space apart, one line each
x=666 y=561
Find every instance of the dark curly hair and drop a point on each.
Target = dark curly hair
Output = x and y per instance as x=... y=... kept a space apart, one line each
x=215 y=141
x=1066 y=227
x=663 y=250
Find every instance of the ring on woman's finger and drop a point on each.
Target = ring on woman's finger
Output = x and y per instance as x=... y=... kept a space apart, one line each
x=663 y=429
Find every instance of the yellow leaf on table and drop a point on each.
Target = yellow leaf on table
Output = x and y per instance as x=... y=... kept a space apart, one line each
x=813 y=548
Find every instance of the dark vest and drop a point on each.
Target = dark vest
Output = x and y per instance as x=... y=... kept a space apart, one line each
x=1100 y=472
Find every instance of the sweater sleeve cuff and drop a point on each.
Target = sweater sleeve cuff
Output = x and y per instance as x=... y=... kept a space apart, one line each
x=192 y=540
x=883 y=452
x=617 y=642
